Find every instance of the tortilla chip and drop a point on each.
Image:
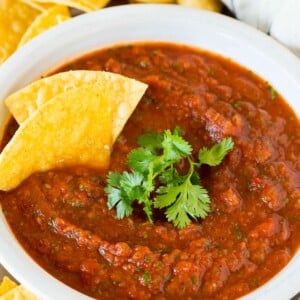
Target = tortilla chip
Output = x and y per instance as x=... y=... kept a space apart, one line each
x=15 y=18
x=73 y=128
x=39 y=6
x=19 y=293
x=212 y=5
x=49 y=18
x=84 y=5
x=6 y=285
x=3 y=128
x=3 y=4
x=152 y=1
x=124 y=93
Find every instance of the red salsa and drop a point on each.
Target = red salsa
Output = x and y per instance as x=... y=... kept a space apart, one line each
x=61 y=216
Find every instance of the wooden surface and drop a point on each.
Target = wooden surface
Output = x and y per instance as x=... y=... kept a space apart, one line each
x=3 y=272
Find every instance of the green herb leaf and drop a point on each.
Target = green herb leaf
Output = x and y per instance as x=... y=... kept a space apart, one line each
x=147 y=277
x=183 y=202
x=124 y=209
x=114 y=196
x=122 y=190
x=113 y=178
x=153 y=173
x=139 y=159
x=171 y=177
x=216 y=153
x=273 y=92
x=175 y=147
x=131 y=184
x=151 y=141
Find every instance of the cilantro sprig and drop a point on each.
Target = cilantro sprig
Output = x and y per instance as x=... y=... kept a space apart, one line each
x=154 y=181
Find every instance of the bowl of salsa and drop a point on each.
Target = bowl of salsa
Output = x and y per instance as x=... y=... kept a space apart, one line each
x=214 y=78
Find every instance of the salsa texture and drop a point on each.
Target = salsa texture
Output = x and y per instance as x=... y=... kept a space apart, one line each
x=253 y=230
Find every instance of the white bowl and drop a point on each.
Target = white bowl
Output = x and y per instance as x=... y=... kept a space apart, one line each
x=131 y=23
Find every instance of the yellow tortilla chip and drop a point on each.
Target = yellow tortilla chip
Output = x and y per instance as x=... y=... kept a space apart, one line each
x=84 y=5
x=19 y=293
x=15 y=18
x=39 y=6
x=153 y=1
x=4 y=126
x=212 y=5
x=3 y=4
x=73 y=128
x=124 y=92
x=49 y=18
x=6 y=285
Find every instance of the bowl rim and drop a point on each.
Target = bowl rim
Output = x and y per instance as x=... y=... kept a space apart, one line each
x=247 y=44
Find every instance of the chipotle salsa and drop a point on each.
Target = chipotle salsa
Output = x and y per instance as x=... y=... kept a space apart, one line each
x=252 y=231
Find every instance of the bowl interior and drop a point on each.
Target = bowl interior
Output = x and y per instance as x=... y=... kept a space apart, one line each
x=132 y=23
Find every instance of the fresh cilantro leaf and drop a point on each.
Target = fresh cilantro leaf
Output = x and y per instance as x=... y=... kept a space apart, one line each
x=183 y=202
x=177 y=131
x=151 y=141
x=121 y=190
x=130 y=180
x=177 y=215
x=167 y=177
x=195 y=178
x=124 y=209
x=198 y=202
x=152 y=173
x=114 y=196
x=139 y=159
x=119 y=200
x=171 y=177
x=113 y=178
x=175 y=147
x=216 y=153
x=112 y=189
x=166 y=196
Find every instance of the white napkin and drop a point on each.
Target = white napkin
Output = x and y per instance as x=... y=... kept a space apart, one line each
x=279 y=18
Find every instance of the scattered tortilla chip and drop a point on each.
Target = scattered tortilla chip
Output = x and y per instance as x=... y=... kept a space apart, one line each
x=3 y=129
x=84 y=5
x=15 y=18
x=73 y=128
x=153 y=1
x=3 y=4
x=19 y=293
x=124 y=92
x=49 y=18
x=39 y=6
x=212 y=5
x=6 y=285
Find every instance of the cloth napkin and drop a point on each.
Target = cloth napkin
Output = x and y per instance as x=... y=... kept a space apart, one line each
x=279 y=18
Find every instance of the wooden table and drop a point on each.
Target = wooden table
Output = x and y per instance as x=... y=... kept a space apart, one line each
x=3 y=272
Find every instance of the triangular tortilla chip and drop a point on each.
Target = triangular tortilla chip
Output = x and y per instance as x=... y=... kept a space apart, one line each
x=73 y=128
x=49 y=18
x=123 y=91
x=19 y=293
x=6 y=285
x=84 y=5
x=212 y=5
x=15 y=18
x=39 y=6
